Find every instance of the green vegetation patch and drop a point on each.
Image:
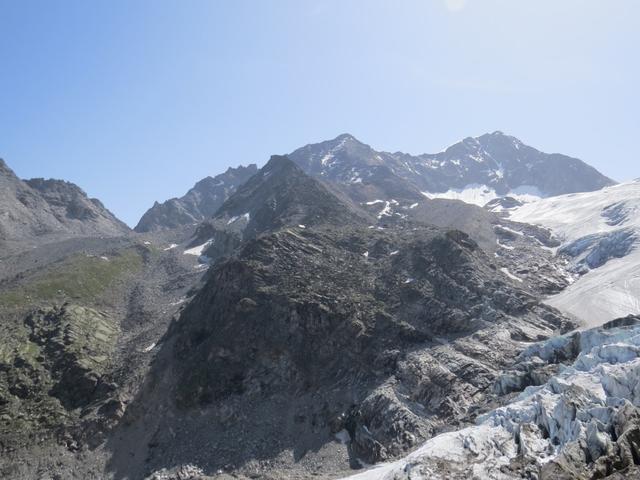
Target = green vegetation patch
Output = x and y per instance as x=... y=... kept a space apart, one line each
x=80 y=278
x=52 y=365
x=84 y=336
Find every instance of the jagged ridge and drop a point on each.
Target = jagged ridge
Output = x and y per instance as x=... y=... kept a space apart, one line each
x=199 y=203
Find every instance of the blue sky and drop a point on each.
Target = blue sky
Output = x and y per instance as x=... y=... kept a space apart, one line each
x=135 y=100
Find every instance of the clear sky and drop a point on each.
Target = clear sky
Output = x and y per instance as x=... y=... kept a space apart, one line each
x=136 y=100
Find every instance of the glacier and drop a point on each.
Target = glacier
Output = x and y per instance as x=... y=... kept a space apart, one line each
x=582 y=422
x=480 y=195
x=600 y=234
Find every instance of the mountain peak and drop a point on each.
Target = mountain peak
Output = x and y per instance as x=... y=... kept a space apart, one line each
x=345 y=136
x=496 y=134
x=37 y=208
x=241 y=168
x=69 y=202
x=60 y=186
x=281 y=194
x=5 y=170
x=496 y=161
x=344 y=141
x=200 y=202
x=502 y=138
x=279 y=162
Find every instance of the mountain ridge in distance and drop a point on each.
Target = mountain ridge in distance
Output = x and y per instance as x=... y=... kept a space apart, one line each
x=36 y=209
x=496 y=162
x=280 y=195
x=476 y=170
x=200 y=202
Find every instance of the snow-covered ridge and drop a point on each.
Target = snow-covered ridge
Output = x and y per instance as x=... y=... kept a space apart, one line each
x=475 y=170
x=585 y=416
x=480 y=195
x=577 y=215
x=600 y=232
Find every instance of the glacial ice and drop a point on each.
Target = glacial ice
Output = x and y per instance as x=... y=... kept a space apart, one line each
x=600 y=232
x=578 y=409
x=480 y=195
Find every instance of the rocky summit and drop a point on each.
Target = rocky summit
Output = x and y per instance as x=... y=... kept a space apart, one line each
x=199 y=203
x=37 y=210
x=477 y=169
x=340 y=312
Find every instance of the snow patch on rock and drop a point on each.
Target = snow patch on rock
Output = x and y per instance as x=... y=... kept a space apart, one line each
x=198 y=249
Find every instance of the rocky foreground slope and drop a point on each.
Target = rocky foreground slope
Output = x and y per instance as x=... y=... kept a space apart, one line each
x=309 y=327
x=77 y=333
x=325 y=339
x=379 y=338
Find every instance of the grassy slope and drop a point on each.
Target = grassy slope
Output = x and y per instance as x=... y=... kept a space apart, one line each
x=80 y=278
x=84 y=334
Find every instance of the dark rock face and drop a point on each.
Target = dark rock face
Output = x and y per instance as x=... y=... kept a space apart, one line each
x=282 y=194
x=199 y=203
x=321 y=321
x=496 y=160
x=622 y=322
x=279 y=195
x=522 y=249
x=385 y=335
x=24 y=211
